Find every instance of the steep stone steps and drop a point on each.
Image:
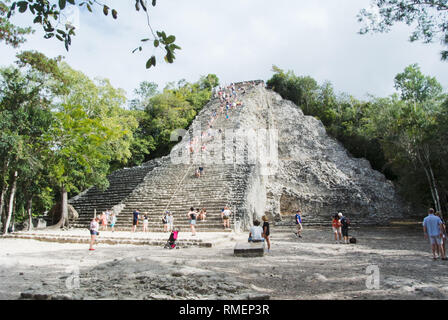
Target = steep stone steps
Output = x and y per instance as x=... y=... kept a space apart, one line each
x=109 y=240
x=121 y=184
x=175 y=187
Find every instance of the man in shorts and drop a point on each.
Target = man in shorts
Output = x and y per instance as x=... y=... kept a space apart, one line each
x=135 y=217
x=432 y=228
x=225 y=215
x=345 y=223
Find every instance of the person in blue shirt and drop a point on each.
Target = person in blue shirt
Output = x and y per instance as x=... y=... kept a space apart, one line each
x=433 y=230
x=298 y=219
x=135 y=217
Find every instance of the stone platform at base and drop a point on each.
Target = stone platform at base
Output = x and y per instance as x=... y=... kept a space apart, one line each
x=249 y=249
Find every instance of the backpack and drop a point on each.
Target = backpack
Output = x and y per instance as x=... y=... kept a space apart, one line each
x=352 y=240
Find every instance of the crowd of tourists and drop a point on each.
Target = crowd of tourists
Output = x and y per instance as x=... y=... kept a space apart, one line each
x=229 y=98
x=434 y=227
x=105 y=219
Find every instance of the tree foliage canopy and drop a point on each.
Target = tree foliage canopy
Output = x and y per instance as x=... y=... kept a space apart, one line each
x=429 y=16
x=49 y=15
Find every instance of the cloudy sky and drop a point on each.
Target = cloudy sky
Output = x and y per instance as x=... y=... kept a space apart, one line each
x=241 y=40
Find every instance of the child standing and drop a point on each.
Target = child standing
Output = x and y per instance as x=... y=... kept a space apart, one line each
x=145 y=223
x=266 y=232
x=113 y=221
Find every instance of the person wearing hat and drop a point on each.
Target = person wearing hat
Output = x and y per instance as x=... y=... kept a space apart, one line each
x=336 y=224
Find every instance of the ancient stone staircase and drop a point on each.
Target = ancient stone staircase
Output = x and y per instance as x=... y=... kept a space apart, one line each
x=161 y=185
x=121 y=184
x=212 y=191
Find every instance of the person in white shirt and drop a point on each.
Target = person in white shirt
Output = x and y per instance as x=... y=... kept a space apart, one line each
x=108 y=215
x=225 y=215
x=256 y=232
x=168 y=221
x=145 y=223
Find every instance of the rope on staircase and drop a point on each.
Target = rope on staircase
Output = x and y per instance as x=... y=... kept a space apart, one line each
x=179 y=185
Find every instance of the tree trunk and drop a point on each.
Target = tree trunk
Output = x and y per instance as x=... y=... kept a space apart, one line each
x=11 y=203
x=430 y=176
x=13 y=214
x=436 y=191
x=2 y=204
x=3 y=194
x=29 y=209
x=64 y=207
x=433 y=181
x=64 y=210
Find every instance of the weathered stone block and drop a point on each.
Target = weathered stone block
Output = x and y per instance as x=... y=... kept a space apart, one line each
x=249 y=249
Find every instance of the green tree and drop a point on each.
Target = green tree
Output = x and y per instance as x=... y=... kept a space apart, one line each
x=50 y=16
x=77 y=157
x=159 y=114
x=430 y=18
x=12 y=35
x=409 y=129
x=143 y=93
x=24 y=117
x=92 y=131
x=415 y=86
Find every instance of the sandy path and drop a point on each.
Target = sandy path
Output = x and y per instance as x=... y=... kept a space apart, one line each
x=310 y=268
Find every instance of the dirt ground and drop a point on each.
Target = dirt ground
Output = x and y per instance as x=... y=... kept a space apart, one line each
x=313 y=267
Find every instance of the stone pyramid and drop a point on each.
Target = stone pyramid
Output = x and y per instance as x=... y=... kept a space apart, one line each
x=261 y=155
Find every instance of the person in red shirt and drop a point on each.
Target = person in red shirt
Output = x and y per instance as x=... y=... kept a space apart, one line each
x=336 y=225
